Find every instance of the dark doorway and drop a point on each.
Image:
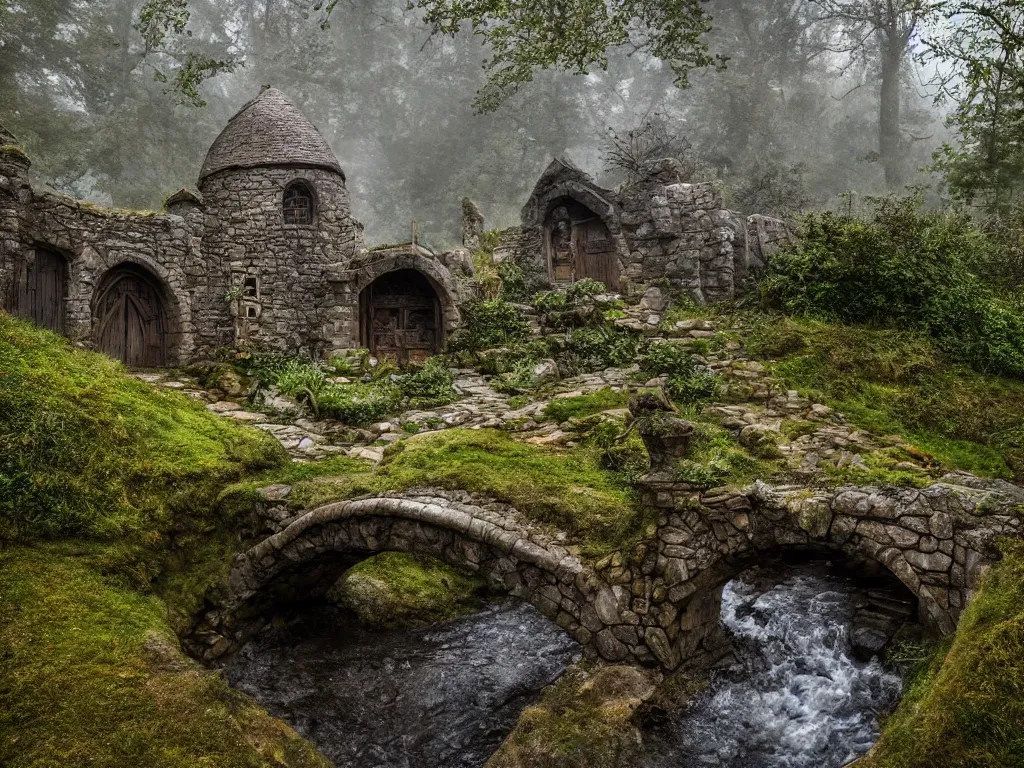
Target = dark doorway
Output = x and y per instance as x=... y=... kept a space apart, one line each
x=42 y=292
x=130 y=319
x=579 y=245
x=400 y=317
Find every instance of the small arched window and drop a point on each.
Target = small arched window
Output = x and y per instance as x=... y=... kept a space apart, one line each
x=297 y=205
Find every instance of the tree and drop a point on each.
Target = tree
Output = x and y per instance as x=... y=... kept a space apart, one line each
x=881 y=31
x=982 y=48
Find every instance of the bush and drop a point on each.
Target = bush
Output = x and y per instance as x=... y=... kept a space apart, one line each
x=688 y=383
x=429 y=386
x=358 y=404
x=513 y=282
x=489 y=323
x=901 y=267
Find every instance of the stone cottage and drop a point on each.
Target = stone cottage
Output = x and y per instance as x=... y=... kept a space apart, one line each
x=267 y=255
x=658 y=229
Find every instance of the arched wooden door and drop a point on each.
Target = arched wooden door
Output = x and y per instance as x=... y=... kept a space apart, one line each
x=400 y=317
x=42 y=290
x=130 y=318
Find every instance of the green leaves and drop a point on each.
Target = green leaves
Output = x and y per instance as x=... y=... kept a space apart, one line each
x=900 y=267
x=573 y=35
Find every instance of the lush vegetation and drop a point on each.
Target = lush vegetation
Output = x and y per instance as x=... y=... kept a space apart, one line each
x=897 y=383
x=104 y=482
x=372 y=395
x=399 y=589
x=91 y=675
x=965 y=705
x=905 y=268
x=86 y=450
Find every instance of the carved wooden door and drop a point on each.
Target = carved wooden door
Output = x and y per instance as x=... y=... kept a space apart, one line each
x=403 y=318
x=46 y=283
x=595 y=253
x=130 y=320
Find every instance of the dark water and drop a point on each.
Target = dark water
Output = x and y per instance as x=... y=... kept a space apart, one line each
x=797 y=698
x=446 y=696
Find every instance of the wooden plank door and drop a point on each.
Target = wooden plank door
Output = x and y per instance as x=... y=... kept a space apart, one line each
x=131 y=321
x=595 y=254
x=48 y=286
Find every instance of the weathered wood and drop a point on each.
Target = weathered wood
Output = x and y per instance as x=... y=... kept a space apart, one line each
x=401 y=317
x=42 y=288
x=579 y=245
x=130 y=318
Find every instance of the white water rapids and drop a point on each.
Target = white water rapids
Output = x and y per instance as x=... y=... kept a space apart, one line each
x=797 y=698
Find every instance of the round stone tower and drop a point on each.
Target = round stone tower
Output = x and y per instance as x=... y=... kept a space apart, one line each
x=279 y=226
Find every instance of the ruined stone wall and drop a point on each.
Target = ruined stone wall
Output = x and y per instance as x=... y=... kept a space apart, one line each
x=294 y=307
x=664 y=229
x=682 y=233
x=93 y=240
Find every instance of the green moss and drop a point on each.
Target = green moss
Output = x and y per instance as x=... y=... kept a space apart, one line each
x=399 y=589
x=582 y=721
x=86 y=450
x=565 y=408
x=567 y=490
x=965 y=707
x=893 y=382
x=13 y=149
x=91 y=675
x=885 y=467
x=105 y=211
x=716 y=458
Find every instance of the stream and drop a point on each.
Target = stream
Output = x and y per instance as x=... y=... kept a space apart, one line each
x=445 y=696
x=448 y=695
x=796 y=698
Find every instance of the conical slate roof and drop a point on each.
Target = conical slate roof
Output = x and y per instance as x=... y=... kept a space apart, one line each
x=269 y=131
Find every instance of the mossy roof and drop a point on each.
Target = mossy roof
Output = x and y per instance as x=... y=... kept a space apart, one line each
x=269 y=131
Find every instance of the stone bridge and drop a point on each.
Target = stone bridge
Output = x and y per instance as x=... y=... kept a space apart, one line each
x=660 y=603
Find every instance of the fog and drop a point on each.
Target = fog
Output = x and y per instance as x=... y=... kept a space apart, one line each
x=791 y=123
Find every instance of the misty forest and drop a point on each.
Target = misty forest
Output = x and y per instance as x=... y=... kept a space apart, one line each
x=541 y=384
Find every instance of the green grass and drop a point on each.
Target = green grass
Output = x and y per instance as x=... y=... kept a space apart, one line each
x=716 y=458
x=965 y=707
x=566 y=408
x=893 y=382
x=108 y=488
x=565 y=489
x=91 y=676
x=87 y=451
x=400 y=589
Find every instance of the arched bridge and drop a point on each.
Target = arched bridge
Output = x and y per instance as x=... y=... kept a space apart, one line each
x=659 y=603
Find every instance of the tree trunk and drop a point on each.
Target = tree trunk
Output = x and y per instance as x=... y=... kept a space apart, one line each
x=889 y=141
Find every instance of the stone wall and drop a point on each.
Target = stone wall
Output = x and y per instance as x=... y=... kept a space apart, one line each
x=664 y=229
x=293 y=307
x=93 y=240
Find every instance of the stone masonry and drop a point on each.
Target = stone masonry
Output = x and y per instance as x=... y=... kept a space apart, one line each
x=658 y=604
x=225 y=268
x=662 y=228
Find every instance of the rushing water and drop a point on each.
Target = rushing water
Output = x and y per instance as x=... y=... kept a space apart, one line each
x=446 y=696
x=797 y=698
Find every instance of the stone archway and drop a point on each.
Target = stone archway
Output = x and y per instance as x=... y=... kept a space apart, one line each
x=131 y=318
x=400 y=317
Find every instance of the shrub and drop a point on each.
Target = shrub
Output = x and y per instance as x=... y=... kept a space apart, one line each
x=513 y=282
x=358 y=403
x=429 y=386
x=489 y=323
x=688 y=383
x=903 y=268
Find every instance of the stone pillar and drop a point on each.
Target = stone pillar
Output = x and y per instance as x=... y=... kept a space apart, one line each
x=472 y=225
